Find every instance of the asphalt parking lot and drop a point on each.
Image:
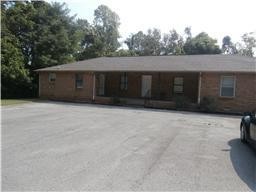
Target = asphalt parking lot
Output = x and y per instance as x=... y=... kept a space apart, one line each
x=67 y=146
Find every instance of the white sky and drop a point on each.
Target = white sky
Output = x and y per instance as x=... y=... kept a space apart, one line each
x=216 y=17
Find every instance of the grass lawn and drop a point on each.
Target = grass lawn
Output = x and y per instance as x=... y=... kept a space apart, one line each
x=5 y=102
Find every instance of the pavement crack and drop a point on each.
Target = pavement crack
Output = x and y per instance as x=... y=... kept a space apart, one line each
x=158 y=156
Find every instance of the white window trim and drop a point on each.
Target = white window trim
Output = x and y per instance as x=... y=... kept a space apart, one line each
x=234 y=91
x=77 y=86
x=124 y=82
x=178 y=92
x=101 y=88
x=49 y=77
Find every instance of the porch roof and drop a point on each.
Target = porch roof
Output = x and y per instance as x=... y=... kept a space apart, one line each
x=184 y=63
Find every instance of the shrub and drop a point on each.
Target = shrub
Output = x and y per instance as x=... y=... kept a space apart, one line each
x=115 y=100
x=181 y=102
x=123 y=102
x=208 y=104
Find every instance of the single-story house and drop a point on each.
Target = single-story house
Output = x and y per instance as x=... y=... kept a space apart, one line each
x=155 y=81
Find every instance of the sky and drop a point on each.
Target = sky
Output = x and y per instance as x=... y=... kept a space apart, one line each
x=216 y=17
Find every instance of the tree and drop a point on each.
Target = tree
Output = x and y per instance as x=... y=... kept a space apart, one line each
x=46 y=32
x=188 y=33
x=135 y=42
x=122 y=53
x=202 y=44
x=106 y=23
x=172 y=43
x=90 y=44
x=19 y=23
x=55 y=38
x=45 y=35
x=145 y=44
x=227 y=46
x=248 y=45
x=151 y=43
x=14 y=76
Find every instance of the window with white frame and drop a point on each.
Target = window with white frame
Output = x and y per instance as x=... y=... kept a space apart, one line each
x=178 y=85
x=124 y=82
x=101 y=89
x=79 y=81
x=52 y=77
x=227 y=87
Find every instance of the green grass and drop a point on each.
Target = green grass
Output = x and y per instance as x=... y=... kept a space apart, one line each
x=5 y=102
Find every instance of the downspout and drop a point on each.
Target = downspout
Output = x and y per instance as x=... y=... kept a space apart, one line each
x=199 y=88
x=93 y=87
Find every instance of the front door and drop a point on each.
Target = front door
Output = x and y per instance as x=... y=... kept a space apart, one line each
x=101 y=84
x=146 y=85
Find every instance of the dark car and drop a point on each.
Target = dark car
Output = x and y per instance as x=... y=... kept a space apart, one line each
x=248 y=129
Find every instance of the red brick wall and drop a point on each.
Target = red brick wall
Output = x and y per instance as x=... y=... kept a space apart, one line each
x=245 y=92
x=64 y=86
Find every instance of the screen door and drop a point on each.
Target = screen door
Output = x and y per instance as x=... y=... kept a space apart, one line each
x=146 y=85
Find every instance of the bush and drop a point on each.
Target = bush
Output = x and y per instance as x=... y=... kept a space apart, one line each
x=181 y=102
x=116 y=100
x=208 y=104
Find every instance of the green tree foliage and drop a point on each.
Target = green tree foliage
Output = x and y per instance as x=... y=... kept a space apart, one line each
x=40 y=35
x=14 y=77
x=151 y=44
x=101 y=38
x=122 y=53
x=201 y=44
x=227 y=46
x=145 y=44
x=188 y=33
x=46 y=32
x=106 y=23
x=90 y=45
x=172 y=44
x=135 y=42
x=19 y=23
x=246 y=48
x=55 y=38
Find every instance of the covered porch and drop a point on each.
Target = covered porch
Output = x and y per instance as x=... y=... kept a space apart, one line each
x=151 y=89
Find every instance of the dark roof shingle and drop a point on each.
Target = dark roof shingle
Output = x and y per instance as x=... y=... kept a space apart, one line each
x=184 y=63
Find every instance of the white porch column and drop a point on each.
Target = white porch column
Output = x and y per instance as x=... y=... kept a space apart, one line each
x=199 y=88
x=39 y=86
x=93 y=87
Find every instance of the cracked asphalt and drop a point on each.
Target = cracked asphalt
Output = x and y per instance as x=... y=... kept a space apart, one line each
x=67 y=146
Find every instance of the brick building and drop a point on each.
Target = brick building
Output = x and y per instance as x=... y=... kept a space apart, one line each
x=155 y=81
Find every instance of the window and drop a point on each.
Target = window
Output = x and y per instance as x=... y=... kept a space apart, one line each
x=178 y=85
x=79 y=81
x=124 y=82
x=101 y=85
x=52 y=77
x=227 y=88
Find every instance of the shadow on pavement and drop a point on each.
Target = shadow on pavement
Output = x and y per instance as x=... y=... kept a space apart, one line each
x=138 y=108
x=243 y=159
